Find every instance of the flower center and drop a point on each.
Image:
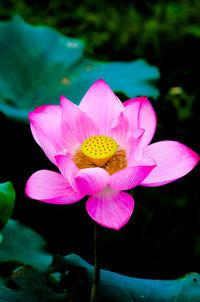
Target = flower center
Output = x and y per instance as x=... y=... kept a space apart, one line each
x=99 y=149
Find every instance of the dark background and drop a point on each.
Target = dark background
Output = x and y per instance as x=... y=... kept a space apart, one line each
x=162 y=239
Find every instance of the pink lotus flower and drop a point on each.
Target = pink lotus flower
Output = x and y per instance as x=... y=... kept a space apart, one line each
x=101 y=148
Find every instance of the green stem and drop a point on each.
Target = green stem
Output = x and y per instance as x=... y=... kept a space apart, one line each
x=96 y=274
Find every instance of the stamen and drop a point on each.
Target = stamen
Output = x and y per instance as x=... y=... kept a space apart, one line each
x=81 y=161
x=99 y=149
x=116 y=163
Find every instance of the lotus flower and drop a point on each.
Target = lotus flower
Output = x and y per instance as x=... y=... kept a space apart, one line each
x=101 y=148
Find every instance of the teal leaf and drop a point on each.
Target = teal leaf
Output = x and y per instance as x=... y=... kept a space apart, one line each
x=7 y=202
x=8 y=294
x=28 y=283
x=23 y=244
x=119 y=288
x=38 y=64
x=69 y=279
x=1 y=238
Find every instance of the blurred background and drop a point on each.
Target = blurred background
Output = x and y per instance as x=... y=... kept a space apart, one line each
x=162 y=239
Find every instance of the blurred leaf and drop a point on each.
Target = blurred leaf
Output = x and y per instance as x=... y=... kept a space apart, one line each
x=38 y=64
x=182 y=102
x=181 y=201
x=7 y=202
x=133 y=78
x=193 y=30
x=176 y=90
x=23 y=244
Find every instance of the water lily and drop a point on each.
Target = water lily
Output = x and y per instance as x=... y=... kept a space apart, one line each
x=101 y=148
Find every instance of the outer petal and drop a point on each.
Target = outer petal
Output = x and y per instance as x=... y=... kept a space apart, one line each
x=110 y=208
x=87 y=181
x=173 y=159
x=141 y=114
x=129 y=177
x=45 y=124
x=76 y=125
x=102 y=105
x=51 y=187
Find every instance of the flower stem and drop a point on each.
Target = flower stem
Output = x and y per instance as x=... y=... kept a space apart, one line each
x=96 y=274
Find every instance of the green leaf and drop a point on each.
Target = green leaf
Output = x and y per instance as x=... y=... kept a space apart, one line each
x=38 y=64
x=23 y=244
x=7 y=202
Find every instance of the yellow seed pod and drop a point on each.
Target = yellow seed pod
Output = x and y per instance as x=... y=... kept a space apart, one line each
x=99 y=149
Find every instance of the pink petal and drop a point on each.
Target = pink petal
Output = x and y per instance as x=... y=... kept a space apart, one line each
x=131 y=111
x=51 y=187
x=110 y=208
x=67 y=167
x=102 y=105
x=119 y=130
x=92 y=180
x=134 y=146
x=76 y=125
x=87 y=181
x=49 y=148
x=45 y=125
x=141 y=114
x=173 y=159
x=130 y=177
